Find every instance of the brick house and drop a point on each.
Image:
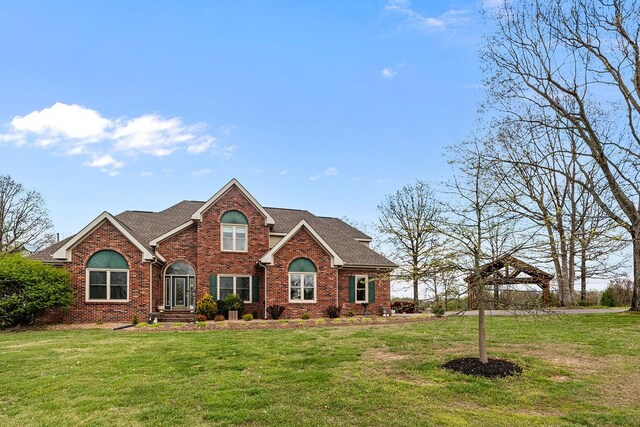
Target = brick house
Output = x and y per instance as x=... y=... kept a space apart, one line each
x=136 y=263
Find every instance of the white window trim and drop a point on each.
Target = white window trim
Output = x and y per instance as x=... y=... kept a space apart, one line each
x=366 y=288
x=219 y=286
x=108 y=270
x=234 y=226
x=315 y=289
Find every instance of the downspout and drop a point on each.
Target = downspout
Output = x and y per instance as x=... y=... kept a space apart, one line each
x=338 y=286
x=151 y=287
x=265 y=288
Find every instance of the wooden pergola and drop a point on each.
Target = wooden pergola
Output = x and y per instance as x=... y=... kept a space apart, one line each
x=509 y=270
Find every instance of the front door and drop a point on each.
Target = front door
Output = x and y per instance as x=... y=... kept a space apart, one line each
x=180 y=293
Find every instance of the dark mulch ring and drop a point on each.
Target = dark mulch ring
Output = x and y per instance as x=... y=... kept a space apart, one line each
x=495 y=368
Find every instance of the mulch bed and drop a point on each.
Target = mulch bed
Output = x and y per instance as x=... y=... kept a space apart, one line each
x=280 y=324
x=495 y=368
x=239 y=324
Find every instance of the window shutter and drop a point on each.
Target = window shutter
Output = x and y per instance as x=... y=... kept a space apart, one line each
x=255 y=290
x=372 y=291
x=213 y=289
x=352 y=288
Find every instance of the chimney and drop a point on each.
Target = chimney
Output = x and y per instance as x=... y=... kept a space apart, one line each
x=57 y=237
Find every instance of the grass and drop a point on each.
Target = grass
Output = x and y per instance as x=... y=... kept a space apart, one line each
x=578 y=370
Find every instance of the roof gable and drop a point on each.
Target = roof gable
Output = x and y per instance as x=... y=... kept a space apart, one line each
x=335 y=258
x=197 y=216
x=64 y=252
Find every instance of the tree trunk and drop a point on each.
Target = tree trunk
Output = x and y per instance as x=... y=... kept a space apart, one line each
x=482 y=338
x=435 y=290
x=635 y=299
x=415 y=292
x=583 y=273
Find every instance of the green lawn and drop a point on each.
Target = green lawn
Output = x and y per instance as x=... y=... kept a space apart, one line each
x=578 y=370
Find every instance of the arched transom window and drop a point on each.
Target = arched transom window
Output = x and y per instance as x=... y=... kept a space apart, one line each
x=107 y=277
x=302 y=281
x=180 y=268
x=234 y=232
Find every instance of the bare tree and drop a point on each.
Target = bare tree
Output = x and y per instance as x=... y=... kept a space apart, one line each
x=538 y=167
x=24 y=219
x=579 y=61
x=481 y=232
x=407 y=222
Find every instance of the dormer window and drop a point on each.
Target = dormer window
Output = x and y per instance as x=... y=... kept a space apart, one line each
x=234 y=232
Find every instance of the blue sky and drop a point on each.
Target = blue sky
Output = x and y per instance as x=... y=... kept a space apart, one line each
x=325 y=106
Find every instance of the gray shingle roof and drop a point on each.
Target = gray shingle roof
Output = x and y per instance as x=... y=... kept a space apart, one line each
x=340 y=236
x=341 y=239
x=45 y=254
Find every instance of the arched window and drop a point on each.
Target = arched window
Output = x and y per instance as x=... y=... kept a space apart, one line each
x=180 y=268
x=107 y=277
x=302 y=281
x=234 y=232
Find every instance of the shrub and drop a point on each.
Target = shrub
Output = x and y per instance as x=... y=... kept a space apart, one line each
x=607 y=298
x=28 y=288
x=333 y=311
x=134 y=319
x=275 y=311
x=305 y=316
x=350 y=313
x=404 y=307
x=247 y=317
x=219 y=318
x=202 y=318
x=207 y=307
x=438 y=310
x=231 y=302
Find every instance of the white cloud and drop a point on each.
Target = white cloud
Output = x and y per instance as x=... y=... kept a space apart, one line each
x=425 y=23
x=62 y=121
x=146 y=174
x=330 y=171
x=282 y=172
x=74 y=130
x=201 y=172
x=201 y=147
x=106 y=163
x=388 y=73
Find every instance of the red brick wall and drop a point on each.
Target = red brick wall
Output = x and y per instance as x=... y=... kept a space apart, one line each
x=106 y=236
x=302 y=245
x=210 y=258
x=179 y=247
x=383 y=291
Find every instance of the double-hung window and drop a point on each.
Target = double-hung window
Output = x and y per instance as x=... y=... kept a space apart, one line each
x=234 y=232
x=107 y=277
x=239 y=285
x=302 y=281
x=362 y=289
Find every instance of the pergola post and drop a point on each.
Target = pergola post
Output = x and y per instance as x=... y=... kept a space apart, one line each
x=546 y=293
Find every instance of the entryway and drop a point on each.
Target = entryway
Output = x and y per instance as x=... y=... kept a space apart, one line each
x=179 y=282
